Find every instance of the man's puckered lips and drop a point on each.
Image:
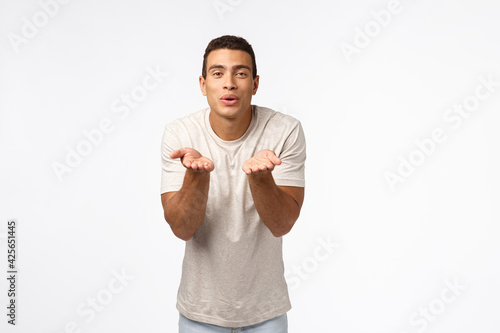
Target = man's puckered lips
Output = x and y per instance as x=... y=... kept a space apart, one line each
x=229 y=99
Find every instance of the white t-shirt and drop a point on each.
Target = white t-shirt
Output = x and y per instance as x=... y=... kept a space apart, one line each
x=232 y=273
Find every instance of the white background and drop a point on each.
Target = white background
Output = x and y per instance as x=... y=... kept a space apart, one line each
x=397 y=250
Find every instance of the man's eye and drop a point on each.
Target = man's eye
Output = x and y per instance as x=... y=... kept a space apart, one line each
x=217 y=74
x=241 y=74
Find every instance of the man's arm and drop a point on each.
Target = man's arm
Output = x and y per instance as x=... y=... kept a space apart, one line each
x=184 y=210
x=278 y=206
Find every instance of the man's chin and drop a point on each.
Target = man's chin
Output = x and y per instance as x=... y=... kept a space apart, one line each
x=228 y=111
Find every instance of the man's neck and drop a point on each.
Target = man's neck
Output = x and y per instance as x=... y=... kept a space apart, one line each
x=230 y=129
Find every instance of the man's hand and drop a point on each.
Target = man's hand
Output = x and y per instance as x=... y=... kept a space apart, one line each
x=193 y=160
x=262 y=162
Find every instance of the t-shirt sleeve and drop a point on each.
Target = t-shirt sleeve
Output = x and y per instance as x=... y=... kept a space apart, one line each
x=293 y=156
x=172 y=171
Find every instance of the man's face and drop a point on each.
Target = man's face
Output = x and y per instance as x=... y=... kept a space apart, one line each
x=229 y=85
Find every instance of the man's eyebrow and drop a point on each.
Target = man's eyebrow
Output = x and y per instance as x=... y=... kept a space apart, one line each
x=241 y=67
x=217 y=67
x=235 y=67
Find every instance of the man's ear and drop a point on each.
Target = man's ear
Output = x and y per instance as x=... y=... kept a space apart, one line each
x=255 y=85
x=203 y=86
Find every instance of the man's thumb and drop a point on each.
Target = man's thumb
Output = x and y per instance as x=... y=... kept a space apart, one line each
x=273 y=158
x=178 y=153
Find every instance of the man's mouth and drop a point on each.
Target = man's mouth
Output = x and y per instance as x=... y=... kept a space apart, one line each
x=229 y=99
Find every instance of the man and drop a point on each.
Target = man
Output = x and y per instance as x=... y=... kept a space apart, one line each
x=232 y=186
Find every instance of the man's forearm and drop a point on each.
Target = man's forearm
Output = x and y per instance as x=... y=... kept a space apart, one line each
x=185 y=210
x=276 y=208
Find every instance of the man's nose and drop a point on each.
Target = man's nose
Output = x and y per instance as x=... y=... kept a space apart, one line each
x=229 y=82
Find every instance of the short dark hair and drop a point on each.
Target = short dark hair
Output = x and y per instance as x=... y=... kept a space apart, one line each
x=231 y=43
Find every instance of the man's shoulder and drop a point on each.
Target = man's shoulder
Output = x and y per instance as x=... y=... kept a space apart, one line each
x=270 y=116
x=193 y=119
